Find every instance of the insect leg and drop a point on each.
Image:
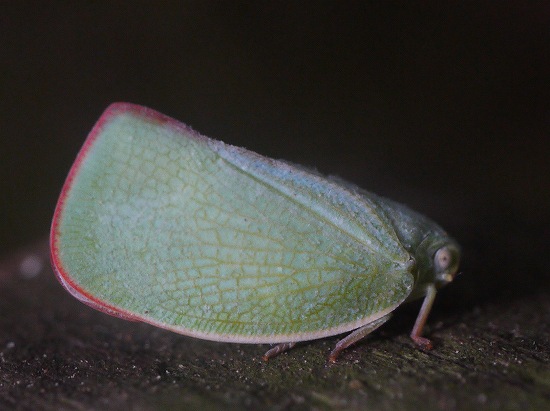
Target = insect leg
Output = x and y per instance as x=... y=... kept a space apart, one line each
x=356 y=336
x=279 y=348
x=416 y=332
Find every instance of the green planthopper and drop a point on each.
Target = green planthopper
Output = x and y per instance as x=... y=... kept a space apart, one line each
x=159 y=224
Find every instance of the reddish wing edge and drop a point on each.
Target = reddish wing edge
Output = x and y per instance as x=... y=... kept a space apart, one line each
x=62 y=275
x=76 y=291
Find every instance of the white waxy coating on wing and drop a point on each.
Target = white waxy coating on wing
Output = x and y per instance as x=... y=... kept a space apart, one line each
x=217 y=242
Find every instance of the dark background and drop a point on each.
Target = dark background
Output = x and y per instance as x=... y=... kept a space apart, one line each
x=445 y=107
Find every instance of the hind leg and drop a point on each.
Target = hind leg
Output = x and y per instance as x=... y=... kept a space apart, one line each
x=278 y=349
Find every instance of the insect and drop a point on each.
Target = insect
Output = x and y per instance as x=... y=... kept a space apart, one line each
x=159 y=224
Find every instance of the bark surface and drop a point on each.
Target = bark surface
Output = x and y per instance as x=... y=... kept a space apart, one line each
x=58 y=354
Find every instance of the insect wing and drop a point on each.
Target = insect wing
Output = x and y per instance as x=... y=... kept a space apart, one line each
x=160 y=224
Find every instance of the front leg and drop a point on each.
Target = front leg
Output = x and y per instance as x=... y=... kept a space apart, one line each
x=416 y=333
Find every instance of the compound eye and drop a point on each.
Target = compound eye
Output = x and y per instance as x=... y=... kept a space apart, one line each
x=443 y=259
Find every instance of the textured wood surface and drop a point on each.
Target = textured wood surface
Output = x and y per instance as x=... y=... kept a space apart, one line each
x=58 y=354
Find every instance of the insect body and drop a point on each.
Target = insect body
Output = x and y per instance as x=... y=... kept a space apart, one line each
x=159 y=224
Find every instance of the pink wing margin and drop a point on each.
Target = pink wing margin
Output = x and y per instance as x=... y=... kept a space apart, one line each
x=61 y=273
